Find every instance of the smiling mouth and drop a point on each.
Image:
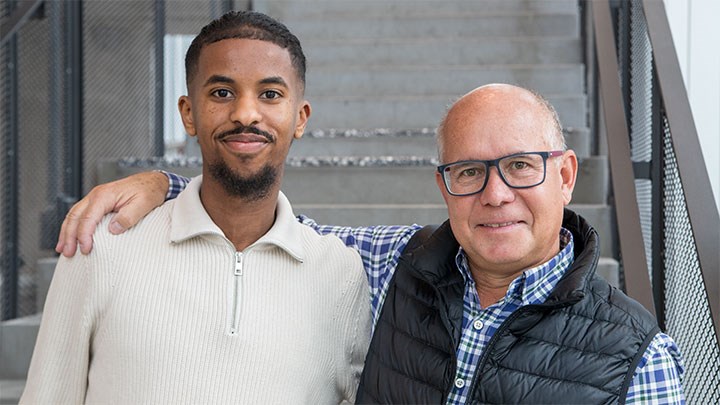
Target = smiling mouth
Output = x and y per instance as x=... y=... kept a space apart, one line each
x=498 y=225
x=246 y=134
x=246 y=138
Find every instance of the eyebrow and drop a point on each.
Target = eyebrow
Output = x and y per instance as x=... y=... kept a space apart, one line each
x=224 y=79
x=274 y=80
x=218 y=79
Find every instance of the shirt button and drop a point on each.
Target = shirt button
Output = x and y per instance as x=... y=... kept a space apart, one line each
x=459 y=383
x=478 y=324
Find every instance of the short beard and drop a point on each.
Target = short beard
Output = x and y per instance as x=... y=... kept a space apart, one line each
x=253 y=188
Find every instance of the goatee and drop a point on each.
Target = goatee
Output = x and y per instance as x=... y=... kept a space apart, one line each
x=251 y=188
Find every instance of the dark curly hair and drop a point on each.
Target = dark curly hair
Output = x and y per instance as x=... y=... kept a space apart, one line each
x=245 y=25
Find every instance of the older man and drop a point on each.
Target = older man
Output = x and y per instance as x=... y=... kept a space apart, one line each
x=219 y=296
x=501 y=304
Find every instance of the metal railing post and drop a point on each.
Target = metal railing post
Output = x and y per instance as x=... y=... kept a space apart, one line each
x=637 y=279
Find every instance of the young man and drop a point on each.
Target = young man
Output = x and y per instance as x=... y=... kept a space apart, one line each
x=219 y=296
x=501 y=304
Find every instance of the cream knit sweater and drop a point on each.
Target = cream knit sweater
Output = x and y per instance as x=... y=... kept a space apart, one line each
x=169 y=312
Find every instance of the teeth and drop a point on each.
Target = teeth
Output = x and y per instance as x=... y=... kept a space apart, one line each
x=498 y=225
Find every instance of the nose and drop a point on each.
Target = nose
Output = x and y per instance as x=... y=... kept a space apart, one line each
x=496 y=192
x=246 y=111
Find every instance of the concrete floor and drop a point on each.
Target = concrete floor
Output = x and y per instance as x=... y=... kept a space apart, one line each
x=10 y=391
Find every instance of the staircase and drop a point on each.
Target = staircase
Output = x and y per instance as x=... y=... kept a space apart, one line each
x=380 y=77
x=381 y=74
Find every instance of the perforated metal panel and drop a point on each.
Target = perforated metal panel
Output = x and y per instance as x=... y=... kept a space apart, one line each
x=119 y=114
x=118 y=82
x=686 y=304
x=36 y=178
x=641 y=126
x=686 y=309
x=5 y=276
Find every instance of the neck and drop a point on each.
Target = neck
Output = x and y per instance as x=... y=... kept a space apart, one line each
x=243 y=222
x=491 y=287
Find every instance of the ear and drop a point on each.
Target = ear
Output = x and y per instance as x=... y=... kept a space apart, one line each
x=441 y=185
x=185 y=108
x=568 y=175
x=303 y=116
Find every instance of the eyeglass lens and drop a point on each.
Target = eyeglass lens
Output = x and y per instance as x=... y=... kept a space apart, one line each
x=525 y=170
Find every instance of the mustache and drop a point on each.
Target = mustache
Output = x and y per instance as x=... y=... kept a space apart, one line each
x=246 y=129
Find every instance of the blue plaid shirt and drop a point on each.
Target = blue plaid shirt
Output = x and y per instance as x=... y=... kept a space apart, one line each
x=657 y=378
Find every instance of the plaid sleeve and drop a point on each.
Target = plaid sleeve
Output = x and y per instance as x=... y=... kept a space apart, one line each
x=176 y=183
x=379 y=247
x=659 y=375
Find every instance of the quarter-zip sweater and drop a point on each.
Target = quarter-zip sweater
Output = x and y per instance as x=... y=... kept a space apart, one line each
x=169 y=312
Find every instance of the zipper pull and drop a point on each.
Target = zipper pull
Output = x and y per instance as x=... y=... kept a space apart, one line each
x=238 y=264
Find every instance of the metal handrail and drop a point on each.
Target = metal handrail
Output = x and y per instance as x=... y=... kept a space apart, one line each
x=22 y=12
x=637 y=279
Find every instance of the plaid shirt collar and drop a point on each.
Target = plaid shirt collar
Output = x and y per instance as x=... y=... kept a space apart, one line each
x=534 y=285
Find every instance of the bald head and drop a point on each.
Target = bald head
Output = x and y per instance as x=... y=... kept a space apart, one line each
x=505 y=106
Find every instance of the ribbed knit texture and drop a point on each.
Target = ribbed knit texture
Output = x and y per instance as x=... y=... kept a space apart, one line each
x=144 y=320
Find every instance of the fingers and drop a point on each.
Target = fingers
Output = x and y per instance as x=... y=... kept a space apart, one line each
x=67 y=243
x=81 y=221
x=132 y=198
x=149 y=190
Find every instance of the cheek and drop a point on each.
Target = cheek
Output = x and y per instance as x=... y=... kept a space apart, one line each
x=460 y=212
x=546 y=208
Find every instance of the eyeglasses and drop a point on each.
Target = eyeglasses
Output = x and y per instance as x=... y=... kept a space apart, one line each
x=519 y=170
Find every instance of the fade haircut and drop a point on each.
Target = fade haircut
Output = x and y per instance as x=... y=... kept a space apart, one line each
x=245 y=25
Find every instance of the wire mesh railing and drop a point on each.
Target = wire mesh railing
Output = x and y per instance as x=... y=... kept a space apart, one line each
x=678 y=215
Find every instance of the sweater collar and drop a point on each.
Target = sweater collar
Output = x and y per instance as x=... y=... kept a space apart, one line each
x=189 y=220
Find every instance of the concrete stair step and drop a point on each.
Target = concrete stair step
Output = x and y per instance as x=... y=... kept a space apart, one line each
x=415 y=112
x=18 y=341
x=602 y=218
x=380 y=142
x=400 y=182
x=365 y=143
x=609 y=269
x=414 y=80
x=468 y=24
x=579 y=140
x=330 y=9
x=442 y=52
x=592 y=184
x=11 y=391
x=370 y=180
x=598 y=215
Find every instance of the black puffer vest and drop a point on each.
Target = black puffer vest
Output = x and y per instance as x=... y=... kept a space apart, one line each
x=581 y=346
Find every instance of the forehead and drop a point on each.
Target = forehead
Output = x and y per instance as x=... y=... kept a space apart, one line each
x=247 y=59
x=491 y=125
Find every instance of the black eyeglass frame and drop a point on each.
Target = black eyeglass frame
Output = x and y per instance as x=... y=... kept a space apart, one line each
x=494 y=162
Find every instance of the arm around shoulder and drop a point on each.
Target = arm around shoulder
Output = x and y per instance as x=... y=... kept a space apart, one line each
x=132 y=198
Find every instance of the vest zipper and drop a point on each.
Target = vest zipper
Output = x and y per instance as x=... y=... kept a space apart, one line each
x=238 y=271
x=491 y=343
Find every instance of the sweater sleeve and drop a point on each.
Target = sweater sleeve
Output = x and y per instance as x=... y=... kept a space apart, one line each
x=59 y=368
x=354 y=314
